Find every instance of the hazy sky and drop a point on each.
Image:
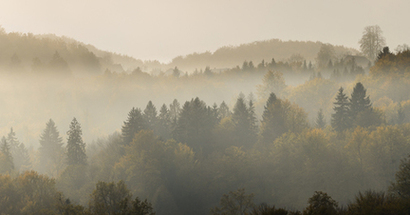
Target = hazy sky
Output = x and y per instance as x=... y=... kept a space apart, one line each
x=164 y=29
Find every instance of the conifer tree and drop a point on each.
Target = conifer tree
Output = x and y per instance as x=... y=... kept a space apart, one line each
x=5 y=150
x=358 y=101
x=320 y=120
x=244 y=131
x=150 y=115
x=164 y=122
x=133 y=125
x=51 y=148
x=223 y=110
x=19 y=152
x=273 y=120
x=340 y=119
x=75 y=145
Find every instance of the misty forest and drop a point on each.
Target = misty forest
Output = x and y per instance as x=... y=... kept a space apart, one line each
x=269 y=127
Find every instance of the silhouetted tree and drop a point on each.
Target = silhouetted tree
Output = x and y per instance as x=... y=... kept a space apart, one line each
x=150 y=116
x=51 y=148
x=340 y=119
x=135 y=123
x=273 y=120
x=8 y=164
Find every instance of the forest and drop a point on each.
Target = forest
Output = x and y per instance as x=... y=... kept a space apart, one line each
x=328 y=134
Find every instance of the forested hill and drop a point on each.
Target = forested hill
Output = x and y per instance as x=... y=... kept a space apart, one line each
x=231 y=56
x=28 y=52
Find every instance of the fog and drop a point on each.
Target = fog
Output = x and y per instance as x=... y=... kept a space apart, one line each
x=296 y=127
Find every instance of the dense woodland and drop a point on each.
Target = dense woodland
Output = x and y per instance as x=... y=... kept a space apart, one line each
x=323 y=136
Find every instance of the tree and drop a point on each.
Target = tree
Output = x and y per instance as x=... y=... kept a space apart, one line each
x=150 y=115
x=273 y=120
x=273 y=81
x=19 y=152
x=358 y=101
x=7 y=164
x=340 y=119
x=164 y=122
x=133 y=125
x=235 y=203
x=223 y=110
x=244 y=131
x=110 y=198
x=325 y=56
x=320 y=120
x=75 y=145
x=372 y=42
x=321 y=204
x=402 y=183
x=51 y=149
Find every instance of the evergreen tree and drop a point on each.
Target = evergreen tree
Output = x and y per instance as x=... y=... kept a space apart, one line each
x=174 y=110
x=252 y=117
x=19 y=152
x=150 y=115
x=273 y=120
x=164 y=122
x=194 y=125
x=51 y=148
x=133 y=125
x=75 y=145
x=358 y=101
x=361 y=111
x=5 y=150
x=320 y=120
x=223 y=110
x=340 y=119
x=244 y=132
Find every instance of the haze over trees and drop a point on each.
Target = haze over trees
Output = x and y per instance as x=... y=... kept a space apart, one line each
x=328 y=133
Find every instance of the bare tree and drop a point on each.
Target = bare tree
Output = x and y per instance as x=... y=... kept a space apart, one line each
x=372 y=41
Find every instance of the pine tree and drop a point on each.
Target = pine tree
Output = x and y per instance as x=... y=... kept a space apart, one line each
x=320 y=120
x=244 y=133
x=223 y=110
x=5 y=150
x=340 y=119
x=164 y=122
x=133 y=125
x=75 y=145
x=51 y=148
x=401 y=115
x=273 y=120
x=19 y=152
x=150 y=115
x=358 y=101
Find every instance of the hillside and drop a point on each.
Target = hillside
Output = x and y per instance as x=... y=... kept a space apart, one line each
x=231 y=56
x=23 y=51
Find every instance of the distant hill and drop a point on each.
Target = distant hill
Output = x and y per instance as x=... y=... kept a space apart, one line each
x=23 y=52
x=231 y=56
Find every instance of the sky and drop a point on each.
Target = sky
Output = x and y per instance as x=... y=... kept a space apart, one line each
x=163 y=29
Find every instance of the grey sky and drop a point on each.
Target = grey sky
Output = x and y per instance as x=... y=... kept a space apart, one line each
x=163 y=29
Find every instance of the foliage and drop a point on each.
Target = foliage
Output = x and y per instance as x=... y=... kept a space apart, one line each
x=235 y=203
x=75 y=145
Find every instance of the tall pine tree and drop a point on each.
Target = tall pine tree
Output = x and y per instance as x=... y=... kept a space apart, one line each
x=273 y=120
x=19 y=152
x=340 y=119
x=8 y=164
x=320 y=120
x=75 y=145
x=51 y=149
x=133 y=125
x=150 y=115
